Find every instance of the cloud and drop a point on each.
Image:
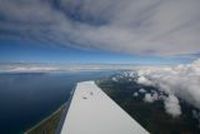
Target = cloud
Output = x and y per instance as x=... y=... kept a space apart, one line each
x=171 y=102
x=144 y=81
x=182 y=81
x=172 y=106
x=129 y=26
x=114 y=79
x=135 y=94
x=27 y=68
x=142 y=90
x=31 y=68
x=150 y=98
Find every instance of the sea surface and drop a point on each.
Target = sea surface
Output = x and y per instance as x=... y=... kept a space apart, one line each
x=27 y=98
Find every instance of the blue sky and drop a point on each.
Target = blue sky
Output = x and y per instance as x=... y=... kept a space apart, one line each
x=21 y=51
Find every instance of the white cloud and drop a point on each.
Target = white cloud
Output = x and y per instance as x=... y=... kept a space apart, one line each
x=23 y=67
x=182 y=81
x=142 y=90
x=130 y=26
x=171 y=103
x=172 y=106
x=15 y=68
x=150 y=98
x=143 y=80
x=135 y=94
x=114 y=79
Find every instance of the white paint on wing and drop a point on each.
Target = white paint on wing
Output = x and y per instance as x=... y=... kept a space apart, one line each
x=93 y=112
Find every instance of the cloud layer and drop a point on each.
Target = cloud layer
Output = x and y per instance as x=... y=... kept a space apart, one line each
x=131 y=26
x=36 y=68
x=182 y=81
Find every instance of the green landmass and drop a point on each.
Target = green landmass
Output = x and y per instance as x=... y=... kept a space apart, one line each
x=48 y=125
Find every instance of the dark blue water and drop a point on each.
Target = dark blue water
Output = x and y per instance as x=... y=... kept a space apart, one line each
x=26 y=99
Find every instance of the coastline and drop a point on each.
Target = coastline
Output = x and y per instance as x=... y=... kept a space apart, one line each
x=45 y=120
x=59 y=115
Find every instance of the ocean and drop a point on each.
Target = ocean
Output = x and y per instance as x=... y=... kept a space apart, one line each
x=27 y=98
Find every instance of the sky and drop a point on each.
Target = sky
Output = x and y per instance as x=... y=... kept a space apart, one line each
x=32 y=52
x=99 y=32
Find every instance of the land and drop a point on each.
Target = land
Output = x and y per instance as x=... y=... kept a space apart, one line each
x=49 y=125
x=151 y=116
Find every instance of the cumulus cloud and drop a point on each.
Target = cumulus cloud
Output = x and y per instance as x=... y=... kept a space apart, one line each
x=114 y=79
x=135 y=94
x=182 y=81
x=172 y=106
x=171 y=102
x=150 y=98
x=143 y=80
x=142 y=90
x=130 y=26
